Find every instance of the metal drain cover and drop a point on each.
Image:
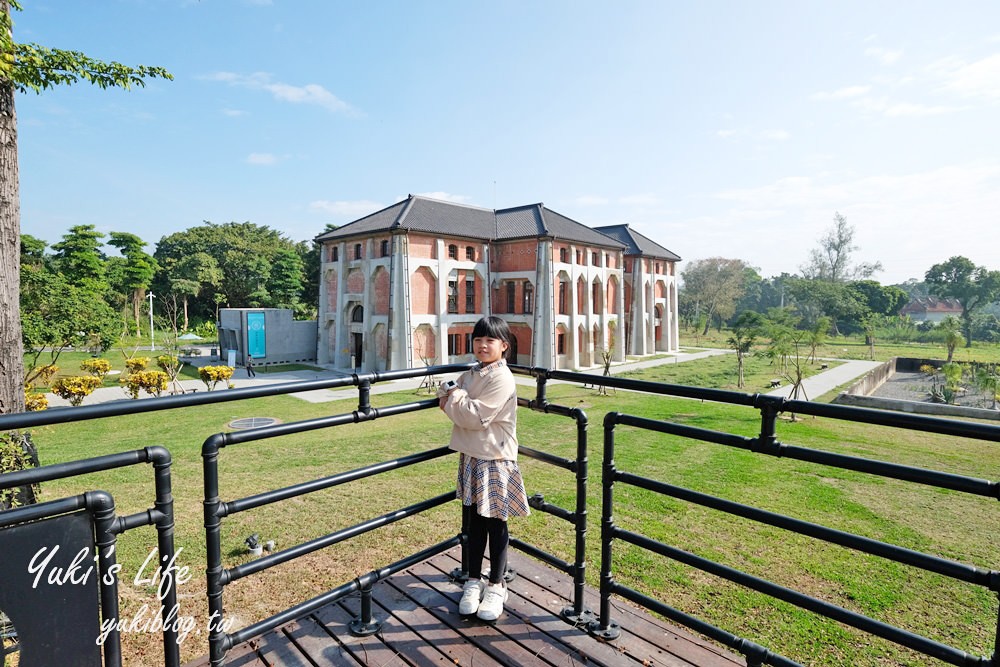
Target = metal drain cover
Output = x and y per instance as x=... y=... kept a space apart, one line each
x=252 y=422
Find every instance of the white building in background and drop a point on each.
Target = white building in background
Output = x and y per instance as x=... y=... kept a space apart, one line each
x=404 y=286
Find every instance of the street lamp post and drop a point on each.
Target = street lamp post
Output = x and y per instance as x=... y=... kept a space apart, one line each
x=152 y=342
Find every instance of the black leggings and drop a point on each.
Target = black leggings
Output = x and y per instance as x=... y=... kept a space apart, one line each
x=481 y=529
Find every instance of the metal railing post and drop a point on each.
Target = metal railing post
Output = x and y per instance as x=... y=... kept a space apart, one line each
x=102 y=506
x=577 y=614
x=363 y=625
x=213 y=549
x=605 y=628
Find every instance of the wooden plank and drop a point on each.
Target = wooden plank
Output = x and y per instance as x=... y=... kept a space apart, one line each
x=421 y=627
x=657 y=637
x=277 y=651
x=313 y=640
x=509 y=639
x=370 y=650
x=644 y=639
x=432 y=641
x=539 y=607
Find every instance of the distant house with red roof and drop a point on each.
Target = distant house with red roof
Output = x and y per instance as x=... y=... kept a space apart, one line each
x=931 y=309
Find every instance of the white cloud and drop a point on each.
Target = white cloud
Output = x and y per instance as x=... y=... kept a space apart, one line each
x=725 y=134
x=233 y=112
x=884 y=56
x=976 y=79
x=906 y=221
x=886 y=107
x=640 y=200
x=262 y=158
x=308 y=94
x=845 y=93
x=445 y=196
x=349 y=209
x=775 y=135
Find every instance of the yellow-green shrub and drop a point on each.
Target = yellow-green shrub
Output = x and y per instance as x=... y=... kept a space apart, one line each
x=152 y=382
x=213 y=375
x=136 y=364
x=76 y=388
x=34 y=401
x=96 y=367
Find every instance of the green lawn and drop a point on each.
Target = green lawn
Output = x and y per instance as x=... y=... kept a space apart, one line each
x=853 y=347
x=939 y=522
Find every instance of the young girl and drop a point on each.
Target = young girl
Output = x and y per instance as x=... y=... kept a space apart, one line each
x=483 y=406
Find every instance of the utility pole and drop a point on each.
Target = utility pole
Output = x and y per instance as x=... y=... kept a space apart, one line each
x=152 y=342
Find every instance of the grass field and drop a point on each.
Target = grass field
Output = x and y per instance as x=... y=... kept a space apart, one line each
x=945 y=523
x=854 y=347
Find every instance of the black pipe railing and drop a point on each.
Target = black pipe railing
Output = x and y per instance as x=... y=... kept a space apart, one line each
x=767 y=443
x=220 y=641
x=577 y=614
x=107 y=526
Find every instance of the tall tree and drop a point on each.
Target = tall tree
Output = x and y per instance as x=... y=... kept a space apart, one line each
x=23 y=68
x=714 y=285
x=285 y=283
x=832 y=259
x=972 y=286
x=244 y=252
x=879 y=299
x=190 y=276
x=137 y=271
x=78 y=256
x=745 y=331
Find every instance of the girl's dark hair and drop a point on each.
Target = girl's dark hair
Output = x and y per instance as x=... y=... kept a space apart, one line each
x=493 y=327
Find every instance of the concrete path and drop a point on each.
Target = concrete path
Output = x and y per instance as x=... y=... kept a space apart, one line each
x=815 y=386
x=819 y=384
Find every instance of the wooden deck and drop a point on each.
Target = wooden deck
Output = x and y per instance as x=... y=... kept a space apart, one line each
x=421 y=626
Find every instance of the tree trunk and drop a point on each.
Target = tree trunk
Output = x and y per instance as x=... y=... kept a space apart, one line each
x=185 y=312
x=11 y=346
x=137 y=298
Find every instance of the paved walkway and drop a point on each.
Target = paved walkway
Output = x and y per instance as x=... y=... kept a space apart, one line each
x=815 y=386
x=819 y=384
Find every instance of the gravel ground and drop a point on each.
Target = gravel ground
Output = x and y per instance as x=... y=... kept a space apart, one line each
x=917 y=387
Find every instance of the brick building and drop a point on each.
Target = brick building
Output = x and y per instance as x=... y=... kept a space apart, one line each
x=404 y=286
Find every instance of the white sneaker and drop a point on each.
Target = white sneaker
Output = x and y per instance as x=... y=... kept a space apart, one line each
x=492 y=605
x=472 y=593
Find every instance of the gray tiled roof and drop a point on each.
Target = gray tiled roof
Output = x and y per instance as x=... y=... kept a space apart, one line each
x=447 y=218
x=421 y=214
x=636 y=243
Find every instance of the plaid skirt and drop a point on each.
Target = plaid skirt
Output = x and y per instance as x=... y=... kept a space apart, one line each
x=494 y=488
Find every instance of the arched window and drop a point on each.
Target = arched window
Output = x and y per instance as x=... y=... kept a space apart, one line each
x=595 y=258
x=595 y=301
x=334 y=254
x=563 y=255
x=563 y=306
x=357 y=251
x=529 y=298
x=470 y=253
x=453 y=251
x=384 y=248
x=358 y=314
x=510 y=297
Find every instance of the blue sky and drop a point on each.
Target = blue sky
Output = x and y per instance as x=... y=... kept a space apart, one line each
x=730 y=129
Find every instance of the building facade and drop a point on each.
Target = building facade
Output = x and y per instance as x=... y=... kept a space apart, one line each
x=404 y=286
